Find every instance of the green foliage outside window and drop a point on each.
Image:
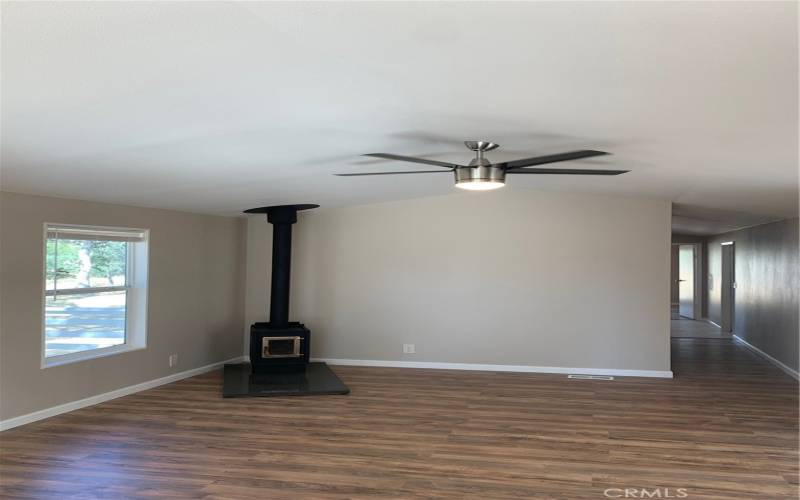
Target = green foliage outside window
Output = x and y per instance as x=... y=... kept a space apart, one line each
x=68 y=262
x=108 y=259
x=84 y=259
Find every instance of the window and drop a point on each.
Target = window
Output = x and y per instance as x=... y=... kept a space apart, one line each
x=95 y=292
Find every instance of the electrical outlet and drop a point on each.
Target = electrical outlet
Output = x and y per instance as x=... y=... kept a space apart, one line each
x=409 y=349
x=173 y=360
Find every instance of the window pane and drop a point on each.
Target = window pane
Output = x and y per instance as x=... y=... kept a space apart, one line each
x=81 y=322
x=85 y=263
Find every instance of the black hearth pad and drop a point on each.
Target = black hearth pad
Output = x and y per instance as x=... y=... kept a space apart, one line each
x=316 y=379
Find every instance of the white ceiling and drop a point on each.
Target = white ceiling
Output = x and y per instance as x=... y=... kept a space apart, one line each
x=219 y=107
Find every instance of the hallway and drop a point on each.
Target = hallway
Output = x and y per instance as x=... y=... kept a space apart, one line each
x=681 y=327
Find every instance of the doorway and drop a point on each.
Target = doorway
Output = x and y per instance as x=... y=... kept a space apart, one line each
x=728 y=287
x=687 y=311
x=689 y=292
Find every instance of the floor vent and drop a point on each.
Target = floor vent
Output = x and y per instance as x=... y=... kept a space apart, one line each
x=592 y=377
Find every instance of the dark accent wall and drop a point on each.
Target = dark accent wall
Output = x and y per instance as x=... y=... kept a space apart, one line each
x=767 y=275
x=673 y=274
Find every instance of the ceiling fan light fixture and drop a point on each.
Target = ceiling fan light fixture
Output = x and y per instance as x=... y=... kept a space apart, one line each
x=478 y=177
x=479 y=185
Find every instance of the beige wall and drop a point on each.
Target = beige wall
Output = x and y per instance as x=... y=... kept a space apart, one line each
x=508 y=277
x=196 y=302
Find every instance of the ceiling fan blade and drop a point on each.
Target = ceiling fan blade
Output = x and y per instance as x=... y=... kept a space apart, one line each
x=394 y=173
x=565 y=171
x=541 y=160
x=413 y=159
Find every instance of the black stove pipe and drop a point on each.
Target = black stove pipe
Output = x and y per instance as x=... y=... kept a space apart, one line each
x=281 y=217
x=281 y=268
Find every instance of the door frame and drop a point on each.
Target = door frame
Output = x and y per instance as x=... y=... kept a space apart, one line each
x=727 y=322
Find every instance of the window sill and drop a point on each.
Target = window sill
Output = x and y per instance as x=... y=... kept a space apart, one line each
x=77 y=357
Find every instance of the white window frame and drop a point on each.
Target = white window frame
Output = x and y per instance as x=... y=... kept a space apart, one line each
x=136 y=278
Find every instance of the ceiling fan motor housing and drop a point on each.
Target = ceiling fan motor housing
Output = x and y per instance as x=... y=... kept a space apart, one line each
x=479 y=172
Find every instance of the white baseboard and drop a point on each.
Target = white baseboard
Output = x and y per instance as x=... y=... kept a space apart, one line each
x=497 y=368
x=792 y=372
x=93 y=400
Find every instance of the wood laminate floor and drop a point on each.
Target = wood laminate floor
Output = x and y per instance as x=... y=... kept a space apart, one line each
x=690 y=328
x=685 y=327
x=725 y=427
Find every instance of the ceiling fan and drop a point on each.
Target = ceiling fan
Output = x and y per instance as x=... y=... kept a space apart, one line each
x=482 y=175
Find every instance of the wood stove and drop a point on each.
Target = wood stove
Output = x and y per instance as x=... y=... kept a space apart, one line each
x=279 y=348
x=280 y=344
